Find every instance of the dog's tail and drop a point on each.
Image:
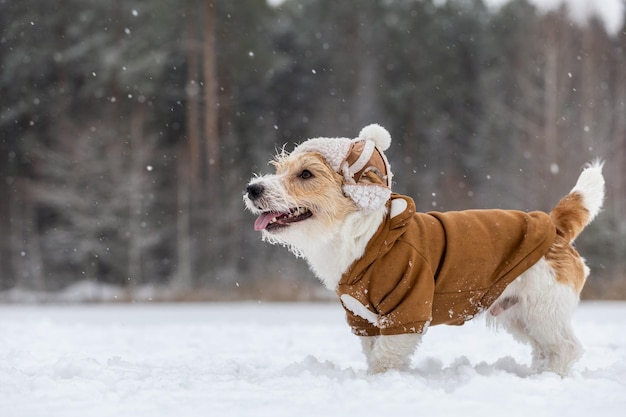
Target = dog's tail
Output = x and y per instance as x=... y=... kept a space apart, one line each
x=577 y=209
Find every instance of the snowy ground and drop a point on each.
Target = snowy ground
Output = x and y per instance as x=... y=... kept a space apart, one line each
x=285 y=360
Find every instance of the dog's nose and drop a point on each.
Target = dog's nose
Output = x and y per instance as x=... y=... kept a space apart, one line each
x=254 y=191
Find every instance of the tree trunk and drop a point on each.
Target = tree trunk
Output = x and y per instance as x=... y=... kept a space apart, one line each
x=135 y=242
x=189 y=164
x=587 y=80
x=551 y=96
x=27 y=260
x=616 y=171
x=210 y=102
x=205 y=221
x=193 y=98
x=7 y=199
x=183 y=279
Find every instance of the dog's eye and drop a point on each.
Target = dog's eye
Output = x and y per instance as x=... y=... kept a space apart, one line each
x=305 y=174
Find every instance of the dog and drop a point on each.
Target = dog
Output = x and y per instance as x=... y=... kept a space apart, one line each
x=397 y=271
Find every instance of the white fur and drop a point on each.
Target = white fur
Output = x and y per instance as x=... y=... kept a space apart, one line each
x=591 y=185
x=331 y=259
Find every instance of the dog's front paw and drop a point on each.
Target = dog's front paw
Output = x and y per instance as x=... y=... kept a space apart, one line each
x=392 y=353
x=381 y=366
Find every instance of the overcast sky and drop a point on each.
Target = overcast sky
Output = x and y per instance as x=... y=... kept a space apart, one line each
x=610 y=12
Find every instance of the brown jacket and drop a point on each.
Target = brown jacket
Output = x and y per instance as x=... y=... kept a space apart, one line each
x=422 y=269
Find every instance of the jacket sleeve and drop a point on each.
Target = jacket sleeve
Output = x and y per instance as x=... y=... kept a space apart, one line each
x=360 y=326
x=407 y=302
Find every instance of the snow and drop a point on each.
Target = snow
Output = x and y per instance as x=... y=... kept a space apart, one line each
x=257 y=359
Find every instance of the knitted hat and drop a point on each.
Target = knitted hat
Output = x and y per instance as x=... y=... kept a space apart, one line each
x=361 y=162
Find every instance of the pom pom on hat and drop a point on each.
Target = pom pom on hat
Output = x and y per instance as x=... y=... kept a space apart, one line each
x=377 y=134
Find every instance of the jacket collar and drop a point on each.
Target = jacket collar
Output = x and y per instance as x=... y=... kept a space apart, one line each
x=383 y=240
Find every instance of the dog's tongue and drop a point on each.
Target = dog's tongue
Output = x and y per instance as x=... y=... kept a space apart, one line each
x=264 y=219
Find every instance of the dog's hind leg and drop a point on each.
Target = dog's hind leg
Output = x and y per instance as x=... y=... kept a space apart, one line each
x=514 y=323
x=555 y=346
x=542 y=318
x=392 y=352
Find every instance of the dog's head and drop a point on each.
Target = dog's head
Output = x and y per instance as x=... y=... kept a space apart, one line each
x=320 y=183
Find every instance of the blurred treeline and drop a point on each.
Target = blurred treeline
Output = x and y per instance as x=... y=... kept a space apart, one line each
x=128 y=129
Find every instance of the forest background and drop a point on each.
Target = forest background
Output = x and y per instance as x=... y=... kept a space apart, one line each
x=128 y=129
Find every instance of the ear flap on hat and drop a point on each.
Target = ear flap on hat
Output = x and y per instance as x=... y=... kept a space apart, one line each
x=367 y=197
x=366 y=169
x=365 y=154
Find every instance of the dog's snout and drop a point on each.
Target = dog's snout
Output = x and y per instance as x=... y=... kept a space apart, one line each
x=254 y=191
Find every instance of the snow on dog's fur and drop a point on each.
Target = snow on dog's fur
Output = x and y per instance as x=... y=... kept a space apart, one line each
x=328 y=198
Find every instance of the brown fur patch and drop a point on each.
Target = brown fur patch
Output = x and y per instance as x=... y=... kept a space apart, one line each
x=322 y=193
x=567 y=264
x=570 y=216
